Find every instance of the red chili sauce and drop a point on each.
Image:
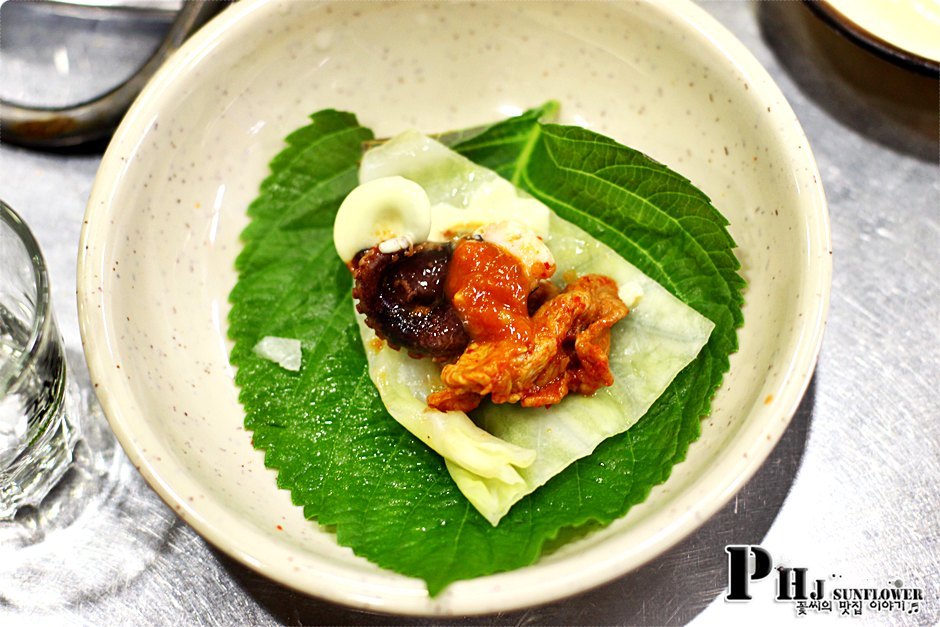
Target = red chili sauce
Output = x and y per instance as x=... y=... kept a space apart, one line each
x=489 y=289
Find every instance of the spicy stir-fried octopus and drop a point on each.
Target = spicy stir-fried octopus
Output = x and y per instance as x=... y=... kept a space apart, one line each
x=471 y=305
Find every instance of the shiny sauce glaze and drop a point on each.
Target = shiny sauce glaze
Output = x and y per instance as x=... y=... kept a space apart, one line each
x=489 y=289
x=514 y=358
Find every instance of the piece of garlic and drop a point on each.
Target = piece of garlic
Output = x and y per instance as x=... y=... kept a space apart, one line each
x=283 y=351
x=380 y=210
x=524 y=244
x=395 y=244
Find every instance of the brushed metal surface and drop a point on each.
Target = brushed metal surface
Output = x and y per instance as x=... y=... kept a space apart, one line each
x=851 y=492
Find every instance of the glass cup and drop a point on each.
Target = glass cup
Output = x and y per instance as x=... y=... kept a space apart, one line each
x=38 y=414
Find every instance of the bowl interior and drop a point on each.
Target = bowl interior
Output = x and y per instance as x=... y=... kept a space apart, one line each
x=162 y=228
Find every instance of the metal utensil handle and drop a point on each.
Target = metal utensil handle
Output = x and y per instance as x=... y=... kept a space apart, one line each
x=58 y=127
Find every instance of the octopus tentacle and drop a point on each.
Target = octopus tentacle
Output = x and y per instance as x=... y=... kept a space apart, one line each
x=402 y=297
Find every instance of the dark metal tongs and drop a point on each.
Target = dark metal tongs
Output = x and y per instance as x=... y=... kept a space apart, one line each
x=60 y=127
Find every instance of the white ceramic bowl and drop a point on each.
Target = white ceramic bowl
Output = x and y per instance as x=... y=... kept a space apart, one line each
x=161 y=235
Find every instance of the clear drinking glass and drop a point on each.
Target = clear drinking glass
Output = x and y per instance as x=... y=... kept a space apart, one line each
x=38 y=413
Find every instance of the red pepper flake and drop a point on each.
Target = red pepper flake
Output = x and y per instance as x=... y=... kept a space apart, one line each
x=280 y=528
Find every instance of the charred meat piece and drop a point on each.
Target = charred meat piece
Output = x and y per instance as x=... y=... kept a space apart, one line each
x=402 y=296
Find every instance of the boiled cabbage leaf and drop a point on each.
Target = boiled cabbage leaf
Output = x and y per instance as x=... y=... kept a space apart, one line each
x=659 y=338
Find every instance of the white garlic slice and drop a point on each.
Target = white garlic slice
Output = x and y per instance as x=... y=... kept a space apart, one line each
x=283 y=351
x=524 y=244
x=380 y=210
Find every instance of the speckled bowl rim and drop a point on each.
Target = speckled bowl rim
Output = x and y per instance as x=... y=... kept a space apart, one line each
x=578 y=571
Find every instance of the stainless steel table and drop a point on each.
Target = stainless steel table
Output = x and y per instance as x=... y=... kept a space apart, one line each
x=852 y=492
